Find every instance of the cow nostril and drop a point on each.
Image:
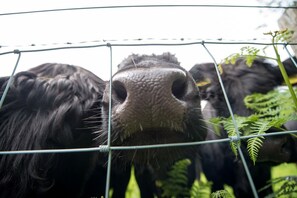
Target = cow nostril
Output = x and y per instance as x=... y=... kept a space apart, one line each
x=119 y=91
x=179 y=87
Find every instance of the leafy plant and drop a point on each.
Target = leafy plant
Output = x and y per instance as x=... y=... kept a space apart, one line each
x=221 y=194
x=288 y=186
x=176 y=184
x=273 y=106
x=271 y=110
x=201 y=189
x=251 y=53
x=248 y=52
x=230 y=127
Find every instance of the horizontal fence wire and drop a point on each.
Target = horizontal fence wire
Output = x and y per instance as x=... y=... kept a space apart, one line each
x=148 y=6
x=139 y=42
x=105 y=148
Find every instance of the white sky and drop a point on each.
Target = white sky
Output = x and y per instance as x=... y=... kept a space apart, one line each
x=19 y=31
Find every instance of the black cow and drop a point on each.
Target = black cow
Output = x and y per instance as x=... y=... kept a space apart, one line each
x=218 y=161
x=154 y=101
x=56 y=106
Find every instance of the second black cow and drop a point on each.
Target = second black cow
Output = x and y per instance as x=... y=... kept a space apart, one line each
x=239 y=80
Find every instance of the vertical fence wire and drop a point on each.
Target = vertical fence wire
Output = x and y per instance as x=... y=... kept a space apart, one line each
x=10 y=79
x=109 y=126
x=237 y=138
x=290 y=55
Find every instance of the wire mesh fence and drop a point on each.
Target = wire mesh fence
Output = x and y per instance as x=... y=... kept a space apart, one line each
x=110 y=45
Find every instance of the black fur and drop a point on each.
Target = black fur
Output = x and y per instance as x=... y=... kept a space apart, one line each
x=52 y=106
x=239 y=80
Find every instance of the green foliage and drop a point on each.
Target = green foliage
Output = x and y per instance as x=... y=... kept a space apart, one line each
x=281 y=35
x=272 y=110
x=231 y=129
x=221 y=194
x=253 y=147
x=247 y=52
x=132 y=188
x=200 y=189
x=216 y=121
x=281 y=171
x=251 y=53
x=288 y=186
x=242 y=123
x=273 y=106
x=176 y=183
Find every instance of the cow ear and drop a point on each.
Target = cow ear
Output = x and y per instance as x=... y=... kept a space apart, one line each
x=203 y=83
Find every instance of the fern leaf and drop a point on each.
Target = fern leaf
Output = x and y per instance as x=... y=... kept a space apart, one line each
x=271 y=105
x=253 y=147
x=260 y=127
x=288 y=187
x=201 y=189
x=176 y=183
x=221 y=194
x=242 y=123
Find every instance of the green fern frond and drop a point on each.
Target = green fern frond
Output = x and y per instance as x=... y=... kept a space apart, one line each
x=231 y=59
x=272 y=110
x=288 y=186
x=216 y=121
x=260 y=127
x=221 y=194
x=242 y=123
x=262 y=102
x=234 y=146
x=284 y=35
x=201 y=189
x=271 y=104
x=176 y=184
x=231 y=131
x=253 y=125
x=248 y=52
x=253 y=147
